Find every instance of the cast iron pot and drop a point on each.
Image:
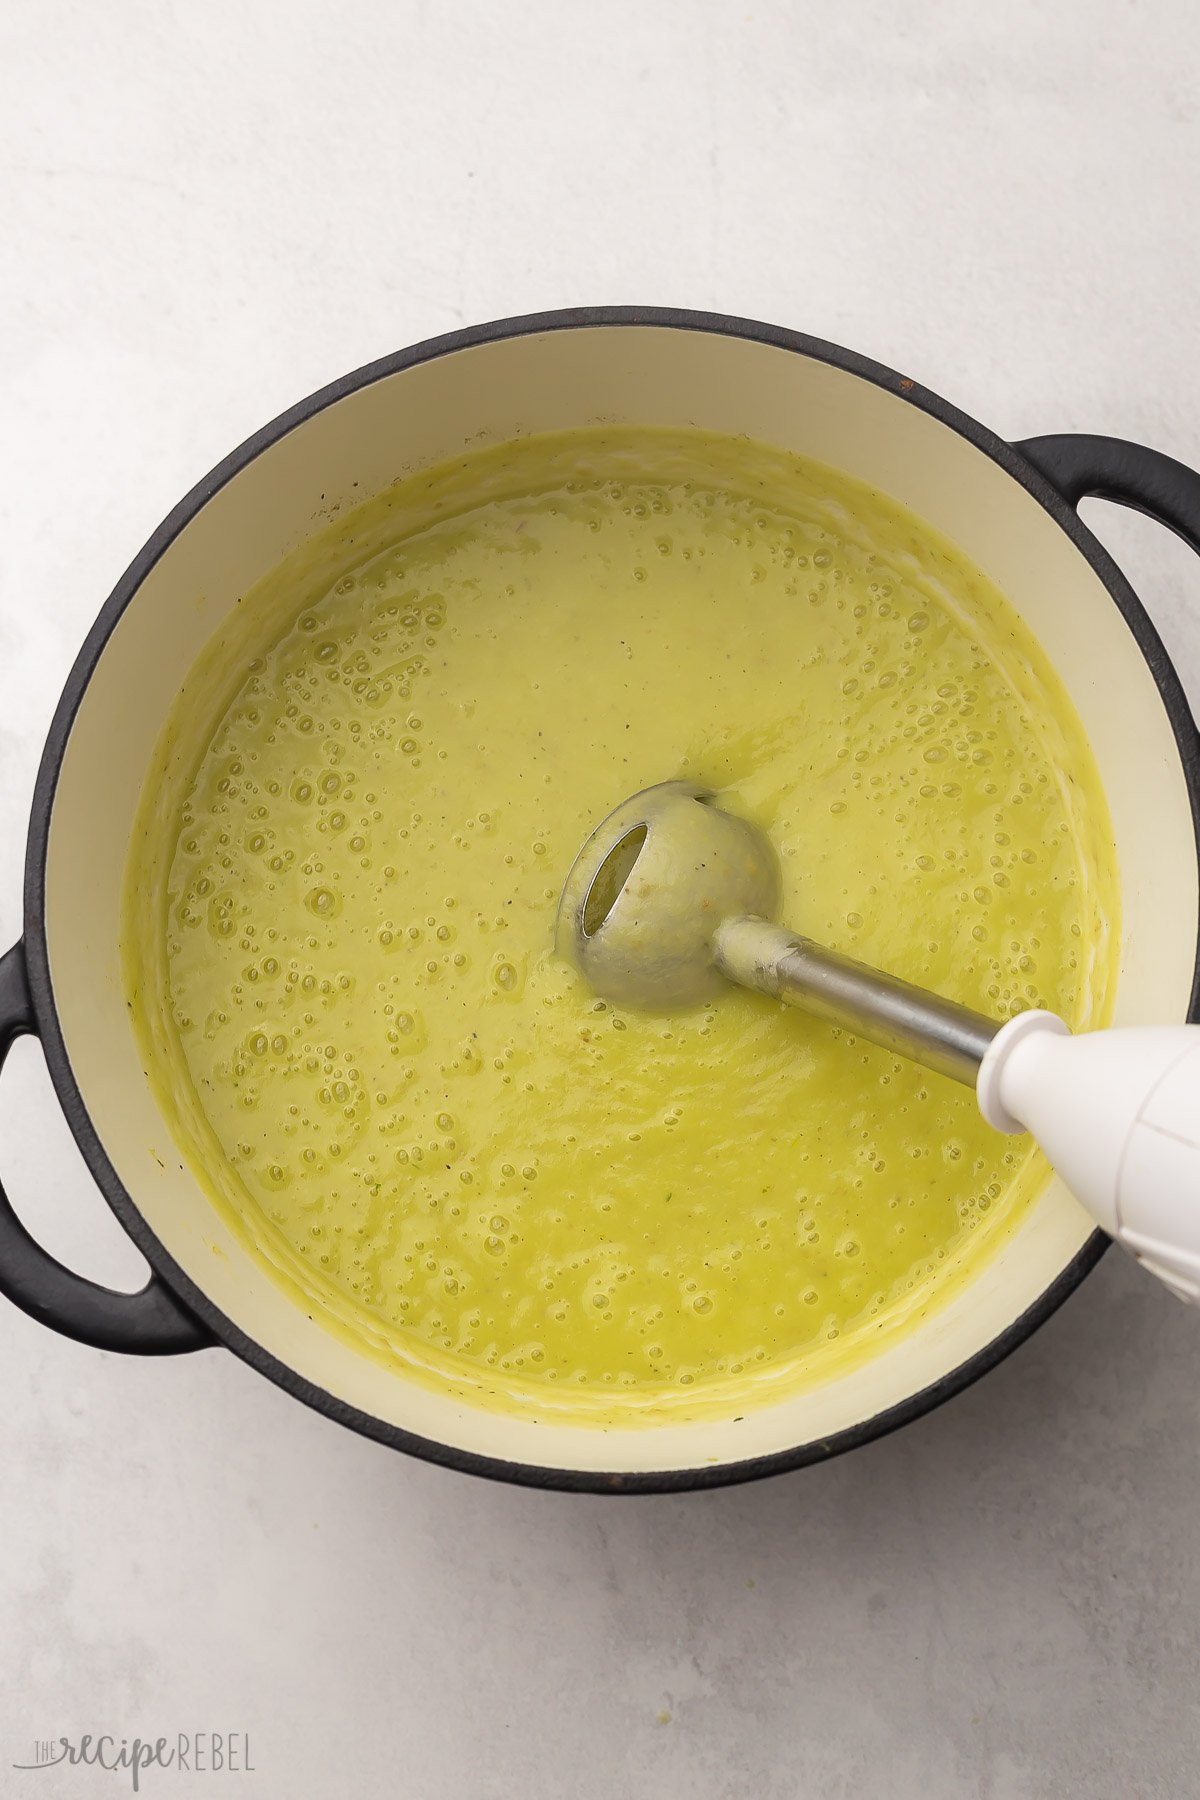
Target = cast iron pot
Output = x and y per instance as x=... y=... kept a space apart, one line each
x=1010 y=507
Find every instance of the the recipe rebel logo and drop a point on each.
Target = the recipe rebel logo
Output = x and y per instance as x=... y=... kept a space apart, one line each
x=192 y=1753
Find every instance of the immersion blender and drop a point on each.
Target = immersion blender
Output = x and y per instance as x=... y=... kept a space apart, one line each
x=671 y=896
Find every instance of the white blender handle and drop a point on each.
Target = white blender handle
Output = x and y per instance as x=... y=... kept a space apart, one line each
x=1118 y=1114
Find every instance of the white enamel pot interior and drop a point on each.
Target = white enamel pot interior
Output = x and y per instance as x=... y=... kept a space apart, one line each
x=418 y=408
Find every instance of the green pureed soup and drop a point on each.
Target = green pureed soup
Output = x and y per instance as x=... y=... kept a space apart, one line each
x=342 y=893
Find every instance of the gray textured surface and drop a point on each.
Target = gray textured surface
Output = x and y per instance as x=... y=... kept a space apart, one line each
x=205 y=213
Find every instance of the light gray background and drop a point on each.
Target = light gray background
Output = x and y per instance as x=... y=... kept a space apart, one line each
x=205 y=212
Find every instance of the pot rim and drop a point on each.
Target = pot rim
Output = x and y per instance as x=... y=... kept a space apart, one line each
x=223 y=1329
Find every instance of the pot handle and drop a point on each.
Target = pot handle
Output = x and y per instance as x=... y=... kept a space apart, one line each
x=1108 y=468
x=151 y=1322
